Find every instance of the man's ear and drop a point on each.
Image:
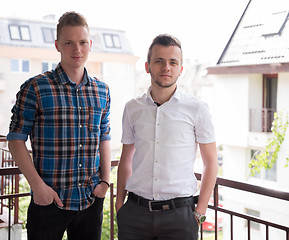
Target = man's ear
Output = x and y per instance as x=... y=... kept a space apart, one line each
x=181 y=71
x=56 y=45
x=147 y=67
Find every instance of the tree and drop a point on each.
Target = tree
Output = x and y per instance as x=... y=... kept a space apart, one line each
x=269 y=155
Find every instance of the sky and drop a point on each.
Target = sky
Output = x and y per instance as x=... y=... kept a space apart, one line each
x=203 y=26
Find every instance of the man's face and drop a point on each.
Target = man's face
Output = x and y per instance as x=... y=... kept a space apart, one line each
x=165 y=65
x=74 y=45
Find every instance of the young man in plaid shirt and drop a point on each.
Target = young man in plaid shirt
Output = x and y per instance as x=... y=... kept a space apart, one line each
x=65 y=112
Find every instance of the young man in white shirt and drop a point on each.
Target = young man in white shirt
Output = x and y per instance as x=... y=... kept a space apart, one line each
x=161 y=131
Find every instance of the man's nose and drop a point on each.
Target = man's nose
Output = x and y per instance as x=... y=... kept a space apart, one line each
x=76 y=47
x=166 y=66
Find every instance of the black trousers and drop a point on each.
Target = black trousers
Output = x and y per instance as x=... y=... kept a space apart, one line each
x=138 y=223
x=50 y=222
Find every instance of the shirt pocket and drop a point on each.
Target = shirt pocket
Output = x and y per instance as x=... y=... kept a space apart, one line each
x=94 y=121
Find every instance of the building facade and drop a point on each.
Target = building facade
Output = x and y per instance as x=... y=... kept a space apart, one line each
x=251 y=81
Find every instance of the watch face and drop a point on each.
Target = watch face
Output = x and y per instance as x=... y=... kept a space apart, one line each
x=202 y=219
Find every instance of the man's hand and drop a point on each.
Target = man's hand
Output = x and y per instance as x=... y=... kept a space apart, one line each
x=100 y=190
x=118 y=205
x=45 y=195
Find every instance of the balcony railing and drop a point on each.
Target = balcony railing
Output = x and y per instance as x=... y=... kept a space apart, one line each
x=247 y=188
x=221 y=182
x=215 y=206
x=261 y=119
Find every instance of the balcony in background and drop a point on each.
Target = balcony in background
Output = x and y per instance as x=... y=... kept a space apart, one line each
x=261 y=119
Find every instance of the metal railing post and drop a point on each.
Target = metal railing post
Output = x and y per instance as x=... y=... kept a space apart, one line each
x=232 y=227
x=9 y=218
x=111 y=212
x=216 y=204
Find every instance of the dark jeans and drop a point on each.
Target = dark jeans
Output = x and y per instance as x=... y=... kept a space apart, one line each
x=50 y=222
x=138 y=223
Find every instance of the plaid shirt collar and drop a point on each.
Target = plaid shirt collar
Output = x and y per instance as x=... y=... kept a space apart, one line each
x=64 y=79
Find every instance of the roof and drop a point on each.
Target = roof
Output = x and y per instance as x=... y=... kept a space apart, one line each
x=41 y=34
x=261 y=36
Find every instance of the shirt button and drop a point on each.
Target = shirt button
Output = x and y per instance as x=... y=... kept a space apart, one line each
x=79 y=108
x=80 y=126
x=80 y=165
x=79 y=184
x=80 y=145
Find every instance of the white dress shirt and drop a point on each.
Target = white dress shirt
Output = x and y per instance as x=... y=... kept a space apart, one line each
x=166 y=140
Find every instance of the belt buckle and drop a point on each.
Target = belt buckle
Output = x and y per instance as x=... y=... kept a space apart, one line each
x=150 y=207
x=164 y=207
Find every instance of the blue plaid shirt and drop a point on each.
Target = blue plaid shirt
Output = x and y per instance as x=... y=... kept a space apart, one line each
x=65 y=123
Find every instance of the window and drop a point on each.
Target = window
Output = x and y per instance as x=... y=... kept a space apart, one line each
x=270 y=86
x=116 y=41
x=49 y=35
x=25 y=33
x=275 y=24
x=14 y=65
x=96 y=39
x=112 y=41
x=18 y=32
x=271 y=174
x=254 y=152
x=18 y=66
x=47 y=66
x=25 y=66
x=265 y=174
x=14 y=33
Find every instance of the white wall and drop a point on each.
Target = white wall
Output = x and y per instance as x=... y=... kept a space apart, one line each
x=231 y=109
x=283 y=92
x=234 y=166
x=255 y=91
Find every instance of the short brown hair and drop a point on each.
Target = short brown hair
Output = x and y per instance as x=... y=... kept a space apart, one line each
x=163 y=40
x=70 y=19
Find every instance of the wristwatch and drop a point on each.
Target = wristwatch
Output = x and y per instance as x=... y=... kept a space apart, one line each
x=201 y=218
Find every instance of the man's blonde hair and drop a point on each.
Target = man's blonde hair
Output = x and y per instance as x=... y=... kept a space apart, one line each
x=70 y=19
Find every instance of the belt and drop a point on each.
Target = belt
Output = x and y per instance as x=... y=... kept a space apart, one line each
x=156 y=206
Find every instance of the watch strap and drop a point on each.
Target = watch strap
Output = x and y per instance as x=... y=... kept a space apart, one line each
x=201 y=218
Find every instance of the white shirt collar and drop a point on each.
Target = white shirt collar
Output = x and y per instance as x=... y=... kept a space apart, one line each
x=176 y=95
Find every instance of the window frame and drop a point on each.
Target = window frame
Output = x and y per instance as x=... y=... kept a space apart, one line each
x=20 y=64
x=112 y=40
x=50 y=65
x=51 y=31
x=20 y=31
